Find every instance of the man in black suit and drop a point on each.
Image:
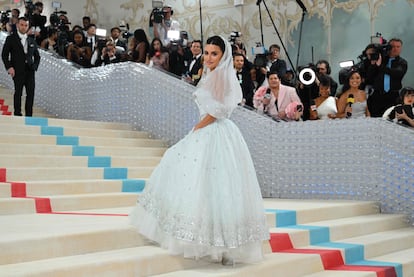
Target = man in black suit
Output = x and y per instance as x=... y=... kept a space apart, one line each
x=195 y=66
x=21 y=59
x=243 y=72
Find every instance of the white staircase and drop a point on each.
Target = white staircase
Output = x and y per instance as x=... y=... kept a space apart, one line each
x=66 y=187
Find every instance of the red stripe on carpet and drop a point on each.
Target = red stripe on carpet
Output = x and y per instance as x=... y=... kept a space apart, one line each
x=331 y=259
x=381 y=271
x=18 y=189
x=4 y=108
x=280 y=242
x=43 y=205
x=3 y=175
x=1 y=101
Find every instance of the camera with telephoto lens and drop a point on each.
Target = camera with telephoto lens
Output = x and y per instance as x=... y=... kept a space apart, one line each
x=58 y=23
x=5 y=16
x=30 y=7
x=158 y=15
x=379 y=46
x=260 y=55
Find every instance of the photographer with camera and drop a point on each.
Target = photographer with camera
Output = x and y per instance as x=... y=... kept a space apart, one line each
x=163 y=22
x=274 y=63
x=277 y=100
x=120 y=44
x=384 y=69
x=60 y=23
x=108 y=55
x=403 y=112
x=36 y=20
x=79 y=52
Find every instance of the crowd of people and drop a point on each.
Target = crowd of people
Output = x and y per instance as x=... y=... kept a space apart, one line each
x=369 y=88
x=86 y=47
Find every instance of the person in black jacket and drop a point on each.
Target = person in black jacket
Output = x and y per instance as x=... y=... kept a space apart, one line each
x=21 y=59
x=243 y=72
x=384 y=74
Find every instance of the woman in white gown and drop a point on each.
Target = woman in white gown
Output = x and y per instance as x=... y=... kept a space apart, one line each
x=203 y=199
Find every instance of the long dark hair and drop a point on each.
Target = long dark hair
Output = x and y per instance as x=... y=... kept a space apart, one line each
x=216 y=40
x=152 y=50
x=346 y=85
x=140 y=36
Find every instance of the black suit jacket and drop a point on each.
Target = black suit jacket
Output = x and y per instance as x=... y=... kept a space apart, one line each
x=13 y=54
x=246 y=83
x=196 y=67
x=280 y=67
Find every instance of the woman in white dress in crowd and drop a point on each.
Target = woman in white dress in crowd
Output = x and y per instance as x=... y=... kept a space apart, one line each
x=323 y=106
x=353 y=101
x=203 y=199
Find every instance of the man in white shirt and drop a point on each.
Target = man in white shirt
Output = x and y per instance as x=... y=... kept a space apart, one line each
x=167 y=24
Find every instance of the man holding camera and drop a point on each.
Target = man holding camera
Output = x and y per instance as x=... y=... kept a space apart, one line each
x=164 y=24
x=108 y=55
x=385 y=70
x=21 y=59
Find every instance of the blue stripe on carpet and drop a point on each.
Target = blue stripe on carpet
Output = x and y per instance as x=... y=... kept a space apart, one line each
x=115 y=173
x=133 y=185
x=320 y=236
x=353 y=252
x=97 y=161
x=83 y=151
x=317 y=234
x=36 y=121
x=283 y=217
x=51 y=130
x=67 y=140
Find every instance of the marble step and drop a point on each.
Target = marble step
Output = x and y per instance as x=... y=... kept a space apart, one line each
x=133 y=261
x=69 y=123
x=30 y=237
x=404 y=257
x=72 y=161
x=309 y=210
x=13 y=128
x=342 y=273
x=68 y=202
x=52 y=149
x=383 y=242
x=63 y=187
x=22 y=174
x=83 y=141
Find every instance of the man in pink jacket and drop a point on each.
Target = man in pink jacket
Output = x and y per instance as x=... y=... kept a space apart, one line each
x=277 y=100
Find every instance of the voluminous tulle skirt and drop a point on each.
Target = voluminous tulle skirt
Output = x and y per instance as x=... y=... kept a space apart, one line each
x=203 y=199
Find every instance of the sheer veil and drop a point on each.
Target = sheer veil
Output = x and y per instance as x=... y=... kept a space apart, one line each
x=219 y=91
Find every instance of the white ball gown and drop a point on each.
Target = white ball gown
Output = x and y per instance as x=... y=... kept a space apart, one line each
x=203 y=199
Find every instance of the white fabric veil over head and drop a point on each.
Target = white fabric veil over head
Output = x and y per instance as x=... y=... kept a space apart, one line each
x=219 y=92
